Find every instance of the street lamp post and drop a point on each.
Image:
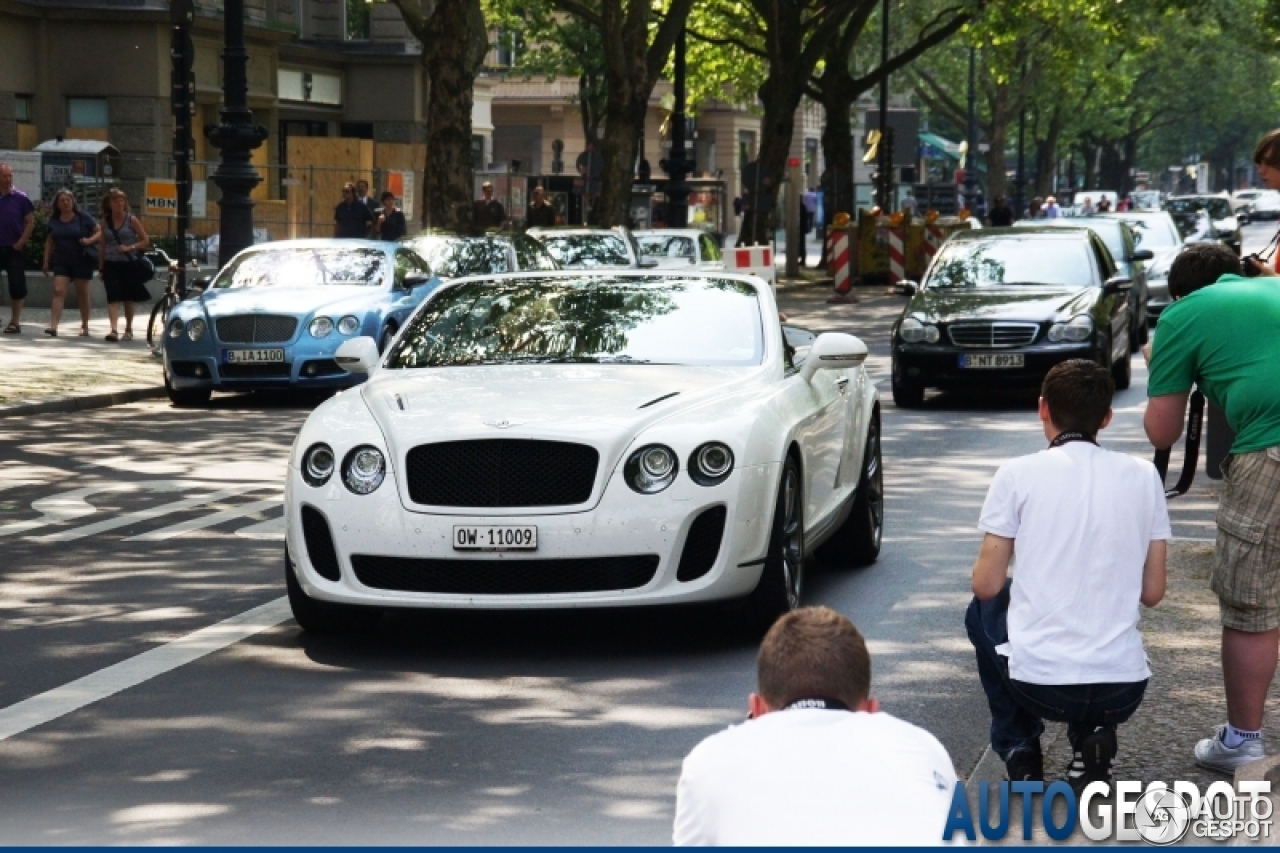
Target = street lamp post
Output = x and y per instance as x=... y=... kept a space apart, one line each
x=678 y=165
x=236 y=137
x=884 y=191
x=1020 y=191
x=971 y=138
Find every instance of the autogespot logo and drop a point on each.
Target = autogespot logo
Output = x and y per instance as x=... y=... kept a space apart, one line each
x=1158 y=814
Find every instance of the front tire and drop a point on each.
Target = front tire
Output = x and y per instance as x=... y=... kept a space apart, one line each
x=1122 y=372
x=782 y=581
x=322 y=617
x=906 y=395
x=857 y=541
x=186 y=398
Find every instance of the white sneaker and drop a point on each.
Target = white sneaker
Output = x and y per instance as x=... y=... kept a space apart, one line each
x=1216 y=755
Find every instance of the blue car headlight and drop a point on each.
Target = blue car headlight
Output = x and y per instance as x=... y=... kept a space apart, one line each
x=176 y=326
x=321 y=327
x=349 y=325
x=196 y=329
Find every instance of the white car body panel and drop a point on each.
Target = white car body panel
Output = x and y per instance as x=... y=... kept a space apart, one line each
x=760 y=412
x=698 y=262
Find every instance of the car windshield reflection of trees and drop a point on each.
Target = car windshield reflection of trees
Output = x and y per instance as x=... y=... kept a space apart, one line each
x=1218 y=208
x=458 y=258
x=696 y=321
x=1148 y=234
x=584 y=251
x=304 y=268
x=999 y=263
x=666 y=247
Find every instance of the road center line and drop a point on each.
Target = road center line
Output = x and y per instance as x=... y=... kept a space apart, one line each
x=144 y=515
x=206 y=521
x=119 y=677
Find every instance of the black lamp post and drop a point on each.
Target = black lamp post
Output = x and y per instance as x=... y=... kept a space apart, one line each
x=678 y=165
x=884 y=189
x=971 y=139
x=1020 y=190
x=235 y=138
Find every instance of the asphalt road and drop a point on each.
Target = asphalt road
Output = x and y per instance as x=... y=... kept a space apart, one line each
x=126 y=529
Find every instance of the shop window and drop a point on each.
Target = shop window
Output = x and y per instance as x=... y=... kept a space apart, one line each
x=22 y=108
x=87 y=112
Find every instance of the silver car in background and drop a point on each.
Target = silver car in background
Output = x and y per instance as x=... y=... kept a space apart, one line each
x=1155 y=231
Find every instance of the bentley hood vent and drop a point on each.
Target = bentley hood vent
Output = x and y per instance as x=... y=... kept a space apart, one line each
x=657 y=400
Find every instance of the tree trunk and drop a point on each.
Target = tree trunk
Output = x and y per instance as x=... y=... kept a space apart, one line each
x=997 y=166
x=780 y=103
x=837 y=140
x=454 y=45
x=1047 y=154
x=623 y=128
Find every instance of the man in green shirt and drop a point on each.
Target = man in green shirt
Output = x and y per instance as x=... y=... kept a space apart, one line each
x=1225 y=339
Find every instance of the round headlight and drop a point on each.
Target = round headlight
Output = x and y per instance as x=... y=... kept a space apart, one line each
x=176 y=326
x=364 y=469
x=317 y=464
x=710 y=464
x=349 y=325
x=321 y=327
x=651 y=469
x=196 y=329
x=931 y=334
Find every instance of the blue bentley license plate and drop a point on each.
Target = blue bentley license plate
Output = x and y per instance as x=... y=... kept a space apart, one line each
x=252 y=356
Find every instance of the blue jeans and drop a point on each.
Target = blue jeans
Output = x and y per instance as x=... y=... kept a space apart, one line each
x=1018 y=707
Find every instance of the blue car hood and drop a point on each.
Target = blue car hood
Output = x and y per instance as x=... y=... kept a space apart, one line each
x=331 y=299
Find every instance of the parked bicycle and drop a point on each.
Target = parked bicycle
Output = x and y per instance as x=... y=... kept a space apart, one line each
x=174 y=292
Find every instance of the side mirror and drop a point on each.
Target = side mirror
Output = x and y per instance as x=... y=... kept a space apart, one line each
x=199 y=285
x=906 y=288
x=1117 y=284
x=647 y=264
x=416 y=279
x=358 y=355
x=1142 y=255
x=833 y=350
x=1242 y=217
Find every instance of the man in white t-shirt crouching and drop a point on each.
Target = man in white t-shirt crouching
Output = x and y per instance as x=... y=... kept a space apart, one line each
x=816 y=763
x=1061 y=642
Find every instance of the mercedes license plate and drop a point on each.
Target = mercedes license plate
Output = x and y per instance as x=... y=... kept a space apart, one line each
x=252 y=356
x=499 y=537
x=995 y=361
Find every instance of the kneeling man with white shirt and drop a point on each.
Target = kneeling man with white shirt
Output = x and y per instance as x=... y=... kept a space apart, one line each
x=1061 y=642
x=816 y=763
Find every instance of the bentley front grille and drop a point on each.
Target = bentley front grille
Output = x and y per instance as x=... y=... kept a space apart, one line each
x=256 y=329
x=501 y=472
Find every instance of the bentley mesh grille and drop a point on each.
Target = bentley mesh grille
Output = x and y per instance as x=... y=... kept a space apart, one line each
x=702 y=546
x=501 y=472
x=988 y=334
x=256 y=328
x=505 y=577
x=320 y=550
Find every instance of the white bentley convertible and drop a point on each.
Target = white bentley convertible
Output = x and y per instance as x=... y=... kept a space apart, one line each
x=585 y=439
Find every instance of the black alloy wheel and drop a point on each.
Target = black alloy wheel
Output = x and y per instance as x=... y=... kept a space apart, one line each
x=782 y=581
x=857 y=541
x=323 y=617
x=1122 y=370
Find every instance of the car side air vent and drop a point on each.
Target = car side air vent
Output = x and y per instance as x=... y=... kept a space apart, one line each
x=702 y=545
x=657 y=400
x=320 y=550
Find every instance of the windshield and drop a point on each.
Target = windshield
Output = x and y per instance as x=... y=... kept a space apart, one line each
x=310 y=267
x=708 y=322
x=1154 y=233
x=1218 y=208
x=666 y=247
x=453 y=257
x=1012 y=261
x=584 y=251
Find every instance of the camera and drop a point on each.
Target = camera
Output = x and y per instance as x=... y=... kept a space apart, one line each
x=1250 y=264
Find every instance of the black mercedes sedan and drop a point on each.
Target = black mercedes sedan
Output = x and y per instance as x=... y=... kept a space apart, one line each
x=999 y=307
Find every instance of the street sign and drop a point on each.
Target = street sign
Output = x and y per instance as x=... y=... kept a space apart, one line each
x=160 y=198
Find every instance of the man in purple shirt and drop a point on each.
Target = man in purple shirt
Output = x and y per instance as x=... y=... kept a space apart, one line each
x=17 y=218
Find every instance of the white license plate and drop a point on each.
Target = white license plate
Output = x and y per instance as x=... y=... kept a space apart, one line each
x=498 y=537
x=995 y=361
x=252 y=356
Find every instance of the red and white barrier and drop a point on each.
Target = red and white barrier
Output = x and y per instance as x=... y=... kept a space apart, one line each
x=752 y=260
x=933 y=240
x=838 y=253
x=897 y=256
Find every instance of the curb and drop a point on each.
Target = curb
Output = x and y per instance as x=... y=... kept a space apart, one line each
x=82 y=402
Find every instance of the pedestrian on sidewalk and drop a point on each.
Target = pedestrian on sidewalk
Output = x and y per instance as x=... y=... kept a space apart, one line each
x=1051 y=209
x=1001 y=215
x=1061 y=642
x=542 y=214
x=1214 y=337
x=352 y=218
x=390 y=224
x=362 y=196
x=816 y=762
x=72 y=233
x=17 y=219
x=120 y=262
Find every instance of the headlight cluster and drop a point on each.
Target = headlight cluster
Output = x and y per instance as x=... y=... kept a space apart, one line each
x=654 y=467
x=913 y=332
x=322 y=327
x=1080 y=328
x=196 y=329
x=363 y=469
x=175 y=327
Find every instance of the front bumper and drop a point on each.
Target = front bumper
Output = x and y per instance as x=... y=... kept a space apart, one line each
x=194 y=366
x=938 y=366
x=622 y=525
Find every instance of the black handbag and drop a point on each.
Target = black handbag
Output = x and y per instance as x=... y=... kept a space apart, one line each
x=139 y=268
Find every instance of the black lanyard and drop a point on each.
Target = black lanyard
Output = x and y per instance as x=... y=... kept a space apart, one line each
x=1070 y=436
x=817 y=703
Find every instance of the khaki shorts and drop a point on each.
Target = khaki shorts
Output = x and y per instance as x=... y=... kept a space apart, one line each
x=1246 y=564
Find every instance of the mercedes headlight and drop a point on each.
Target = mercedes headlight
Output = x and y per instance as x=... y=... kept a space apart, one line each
x=711 y=463
x=1079 y=329
x=651 y=469
x=317 y=464
x=913 y=331
x=196 y=329
x=176 y=326
x=321 y=327
x=349 y=325
x=364 y=469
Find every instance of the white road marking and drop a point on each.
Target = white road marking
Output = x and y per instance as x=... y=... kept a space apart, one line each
x=144 y=515
x=206 y=521
x=58 y=702
x=70 y=505
x=271 y=530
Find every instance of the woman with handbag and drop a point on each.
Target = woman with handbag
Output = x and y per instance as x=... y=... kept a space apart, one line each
x=125 y=270
x=72 y=233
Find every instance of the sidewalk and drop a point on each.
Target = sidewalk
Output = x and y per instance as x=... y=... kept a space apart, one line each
x=38 y=369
